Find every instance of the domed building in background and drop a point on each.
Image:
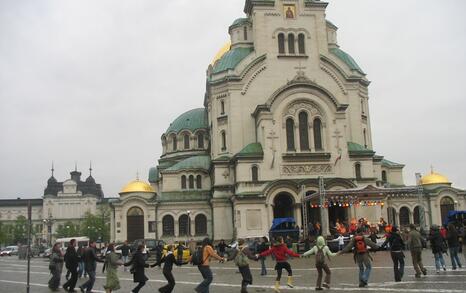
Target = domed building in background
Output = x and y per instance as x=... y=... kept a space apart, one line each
x=284 y=133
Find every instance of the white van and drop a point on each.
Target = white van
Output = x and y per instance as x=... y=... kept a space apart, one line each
x=83 y=241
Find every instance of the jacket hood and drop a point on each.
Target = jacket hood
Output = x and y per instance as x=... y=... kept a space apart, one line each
x=320 y=242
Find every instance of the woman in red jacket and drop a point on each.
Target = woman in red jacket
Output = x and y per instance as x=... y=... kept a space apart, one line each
x=281 y=253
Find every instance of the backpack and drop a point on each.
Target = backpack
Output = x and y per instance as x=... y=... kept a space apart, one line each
x=360 y=245
x=241 y=260
x=197 y=257
x=320 y=256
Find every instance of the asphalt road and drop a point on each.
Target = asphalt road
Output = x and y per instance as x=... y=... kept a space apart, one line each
x=226 y=278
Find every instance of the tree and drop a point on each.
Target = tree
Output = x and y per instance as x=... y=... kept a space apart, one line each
x=20 y=230
x=68 y=230
x=97 y=226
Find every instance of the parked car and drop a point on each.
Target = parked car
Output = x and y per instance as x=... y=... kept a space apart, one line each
x=9 y=251
x=47 y=253
x=150 y=245
x=186 y=252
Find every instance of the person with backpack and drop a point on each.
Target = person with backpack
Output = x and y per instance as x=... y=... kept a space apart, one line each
x=359 y=244
x=281 y=253
x=55 y=267
x=321 y=251
x=168 y=260
x=241 y=255
x=397 y=246
x=263 y=246
x=71 y=264
x=453 y=245
x=138 y=262
x=439 y=247
x=90 y=263
x=415 y=243
x=201 y=258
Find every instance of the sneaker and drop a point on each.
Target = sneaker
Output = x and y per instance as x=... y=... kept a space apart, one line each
x=326 y=285
x=81 y=289
x=319 y=289
x=417 y=276
x=444 y=268
x=424 y=272
x=438 y=271
x=454 y=268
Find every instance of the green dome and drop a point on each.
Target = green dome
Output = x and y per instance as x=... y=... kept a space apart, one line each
x=192 y=120
x=240 y=21
x=231 y=59
x=191 y=163
x=153 y=174
x=347 y=59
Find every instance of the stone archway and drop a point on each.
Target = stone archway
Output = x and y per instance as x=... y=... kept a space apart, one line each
x=283 y=205
x=135 y=224
x=446 y=204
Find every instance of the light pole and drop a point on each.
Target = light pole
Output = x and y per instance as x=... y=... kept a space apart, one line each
x=49 y=222
x=189 y=225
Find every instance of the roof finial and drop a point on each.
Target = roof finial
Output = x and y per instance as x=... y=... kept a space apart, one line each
x=53 y=169
x=431 y=169
x=137 y=175
x=75 y=166
x=90 y=168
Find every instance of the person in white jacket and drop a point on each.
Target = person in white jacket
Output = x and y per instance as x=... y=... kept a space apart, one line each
x=321 y=251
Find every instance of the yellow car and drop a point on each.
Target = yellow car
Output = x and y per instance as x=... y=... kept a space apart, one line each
x=186 y=252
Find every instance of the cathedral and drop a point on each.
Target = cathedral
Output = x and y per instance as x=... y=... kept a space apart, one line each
x=283 y=132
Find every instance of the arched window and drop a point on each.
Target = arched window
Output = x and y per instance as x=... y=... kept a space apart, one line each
x=391 y=212
x=199 y=182
x=255 y=173
x=281 y=43
x=384 y=176
x=168 y=226
x=183 y=182
x=301 y=45
x=175 y=143
x=200 y=225
x=164 y=144
x=224 y=140
x=303 y=132
x=417 y=215
x=290 y=134
x=183 y=223
x=222 y=107
x=404 y=216
x=186 y=141
x=365 y=138
x=200 y=140
x=446 y=204
x=245 y=33
x=362 y=106
x=191 y=182
x=291 y=44
x=357 y=170
x=317 y=127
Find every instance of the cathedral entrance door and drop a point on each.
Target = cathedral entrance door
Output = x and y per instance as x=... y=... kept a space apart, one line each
x=283 y=206
x=135 y=224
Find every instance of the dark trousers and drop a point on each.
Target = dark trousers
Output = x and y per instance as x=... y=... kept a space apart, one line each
x=138 y=287
x=320 y=268
x=279 y=268
x=89 y=284
x=416 y=255
x=247 y=278
x=171 y=282
x=71 y=283
x=54 y=282
x=398 y=264
x=206 y=273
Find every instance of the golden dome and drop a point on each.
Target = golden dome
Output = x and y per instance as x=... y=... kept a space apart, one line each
x=221 y=52
x=137 y=186
x=434 y=178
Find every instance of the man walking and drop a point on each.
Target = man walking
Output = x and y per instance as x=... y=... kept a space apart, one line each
x=204 y=266
x=71 y=263
x=125 y=253
x=361 y=255
x=415 y=242
x=90 y=262
x=396 y=247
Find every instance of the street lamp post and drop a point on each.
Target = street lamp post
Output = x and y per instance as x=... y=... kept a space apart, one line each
x=189 y=225
x=49 y=222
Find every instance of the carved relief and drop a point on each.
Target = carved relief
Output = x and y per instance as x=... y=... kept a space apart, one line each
x=308 y=169
x=295 y=107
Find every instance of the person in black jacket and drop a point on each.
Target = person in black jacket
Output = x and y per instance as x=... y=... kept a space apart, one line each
x=438 y=245
x=168 y=260
x=71 y=263
x=396 y=247
x=90 y=263
x=139 y=263
x=453 y=245
x=263 y=246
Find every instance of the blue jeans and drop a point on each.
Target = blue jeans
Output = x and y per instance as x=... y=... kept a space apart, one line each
x=89 y=283
x=365 y=268
x=124 y=258
x=263 y=267
x=455 y=260
x=206 y=273
x=80 y=269
x=439 y=261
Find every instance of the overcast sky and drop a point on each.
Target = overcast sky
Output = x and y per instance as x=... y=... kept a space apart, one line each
x=101 y=80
